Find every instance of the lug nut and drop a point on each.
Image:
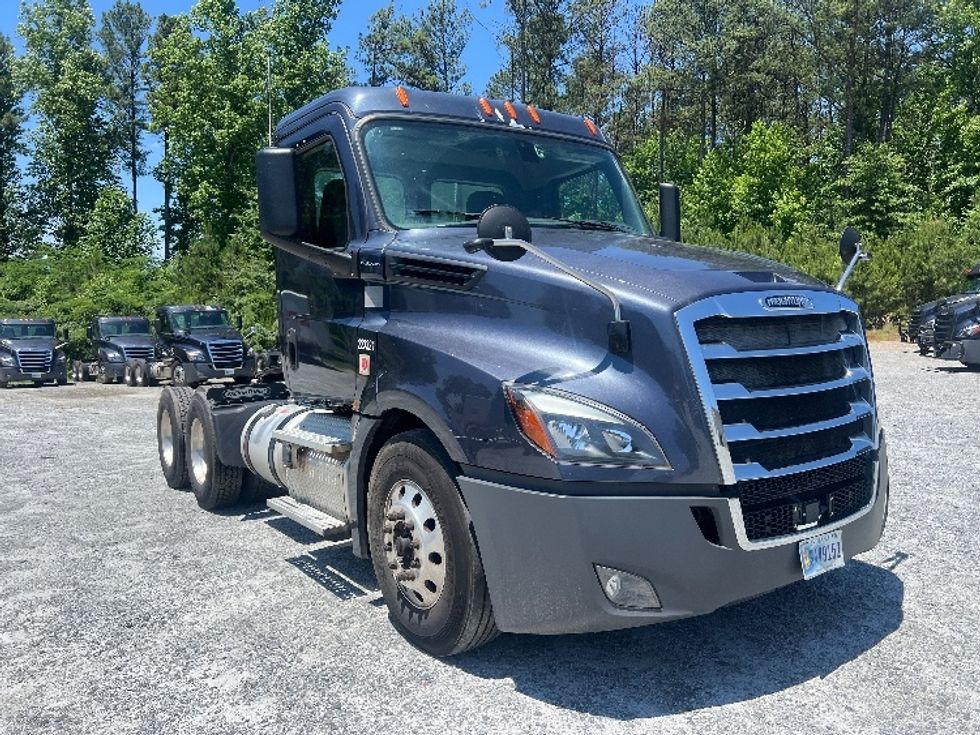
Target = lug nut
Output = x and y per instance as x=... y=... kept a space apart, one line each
x=393 y=565
x=405 y=576
x=416 y=563
x=396 y=514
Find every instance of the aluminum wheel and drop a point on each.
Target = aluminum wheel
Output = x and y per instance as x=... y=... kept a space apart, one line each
x=166 y=439
x=414 y=546
x=199 y=460
x=179 y=374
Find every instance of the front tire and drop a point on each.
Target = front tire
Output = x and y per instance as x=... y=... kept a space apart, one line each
x=171 y=414
x=141 y=374
x=215 y=485
x=424 y=555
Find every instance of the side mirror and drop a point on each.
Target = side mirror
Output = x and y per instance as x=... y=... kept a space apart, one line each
x=850 y=241
x=275 y=170
x=238 y=323
x=670 y=212
x=497 y=226
x=64 y=334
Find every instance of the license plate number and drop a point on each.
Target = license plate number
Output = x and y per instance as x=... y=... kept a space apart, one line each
x=821 y=554
x=229 y=371
x=37 y=375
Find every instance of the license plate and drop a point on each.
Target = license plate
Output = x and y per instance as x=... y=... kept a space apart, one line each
x=37 y=375
x=228 y=371
x=821 y=554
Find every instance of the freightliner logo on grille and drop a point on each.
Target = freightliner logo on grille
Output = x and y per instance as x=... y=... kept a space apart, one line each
x=787 y=301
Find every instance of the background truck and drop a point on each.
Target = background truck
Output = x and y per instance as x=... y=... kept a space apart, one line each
x=112 y=342
x=922 y=323
x=31 y=351
x=956 y=327
x=530 y=412
x=195 y=343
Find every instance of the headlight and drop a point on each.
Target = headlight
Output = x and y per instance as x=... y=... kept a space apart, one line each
x=971 y=330
x=7 y=360
x=194 y=355
x=570 y=429
x=59 y=357
x=113 y=356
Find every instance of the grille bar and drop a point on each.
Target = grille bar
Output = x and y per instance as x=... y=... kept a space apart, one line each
x=723 y=351
x=734 y=391
x=748 y=432
x=138 y=353
x=945 y=325
x=34 y=361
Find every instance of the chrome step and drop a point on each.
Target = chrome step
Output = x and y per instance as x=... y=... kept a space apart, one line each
x=309 y=517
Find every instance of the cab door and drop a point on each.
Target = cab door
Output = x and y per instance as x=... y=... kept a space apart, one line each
x=320 y=305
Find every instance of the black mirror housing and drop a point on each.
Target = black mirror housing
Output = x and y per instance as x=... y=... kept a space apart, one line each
x=278 y=204
x=849 y=241
x=670 y=212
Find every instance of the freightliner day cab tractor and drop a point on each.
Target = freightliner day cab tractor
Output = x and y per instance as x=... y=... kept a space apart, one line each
x=531 y=413
x=111 y=343
x=31 y=352
x=948 y=327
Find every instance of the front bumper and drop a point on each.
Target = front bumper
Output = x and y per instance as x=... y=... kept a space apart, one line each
x=198 y=372
x=538 y=552
x=966 y=351
x=12 y=374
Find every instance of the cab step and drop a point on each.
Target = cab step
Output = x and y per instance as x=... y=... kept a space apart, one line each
x=309 y=517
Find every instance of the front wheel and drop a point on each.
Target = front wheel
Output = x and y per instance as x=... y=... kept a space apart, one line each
x=171 y=414
x=424 y=556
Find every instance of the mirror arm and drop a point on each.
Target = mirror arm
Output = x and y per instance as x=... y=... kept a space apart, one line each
x=859 y=255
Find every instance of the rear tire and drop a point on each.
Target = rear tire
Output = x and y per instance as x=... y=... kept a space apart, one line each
x=104 y=377
x=445 y=609
x=171 y=414
x=141 y=374
x=128 y=376
x=215 y=485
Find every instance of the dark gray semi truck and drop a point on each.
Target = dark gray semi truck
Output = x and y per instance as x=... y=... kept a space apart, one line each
x=531 y=412
x=111 y=344
x=31 y=351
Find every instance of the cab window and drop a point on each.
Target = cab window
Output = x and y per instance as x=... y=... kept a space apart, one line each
x=325 y=216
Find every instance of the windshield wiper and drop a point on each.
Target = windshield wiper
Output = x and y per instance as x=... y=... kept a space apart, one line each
x=592 y=224
x=468 y=216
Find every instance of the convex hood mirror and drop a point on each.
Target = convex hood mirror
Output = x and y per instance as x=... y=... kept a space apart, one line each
x=498 y=224
x=849 y=242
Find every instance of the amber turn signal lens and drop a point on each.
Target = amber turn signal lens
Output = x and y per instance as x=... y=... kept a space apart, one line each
x=402 y=94
x=531 y=424
x=533 y=112
x=592 y=127
x=511 y=110
x=486 y=107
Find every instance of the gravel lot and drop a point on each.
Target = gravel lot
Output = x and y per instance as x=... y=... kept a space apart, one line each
x=126 y=609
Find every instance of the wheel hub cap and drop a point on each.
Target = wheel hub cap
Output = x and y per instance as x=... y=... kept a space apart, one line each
x=199 y=461
x=166 y=440
x=414 y=547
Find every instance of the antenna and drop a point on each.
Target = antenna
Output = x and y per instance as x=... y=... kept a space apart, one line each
x=268 y=91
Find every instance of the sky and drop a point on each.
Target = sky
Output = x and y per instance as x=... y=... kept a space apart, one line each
x=482 y=55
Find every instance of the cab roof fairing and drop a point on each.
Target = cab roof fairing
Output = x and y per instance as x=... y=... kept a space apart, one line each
x=360 y=102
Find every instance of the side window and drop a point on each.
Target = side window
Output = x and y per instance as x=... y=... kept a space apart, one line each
x=589 y=196
x=325 y=220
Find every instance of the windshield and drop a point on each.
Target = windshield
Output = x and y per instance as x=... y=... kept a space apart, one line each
x=129 y=326
x=185 y=321
x=26 y=331
x=970 y=285
x=437 y=175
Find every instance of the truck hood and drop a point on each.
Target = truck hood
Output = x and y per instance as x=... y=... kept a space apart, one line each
x=130 y=340
x=201 y=338
x=649 y=268
x=33 y=343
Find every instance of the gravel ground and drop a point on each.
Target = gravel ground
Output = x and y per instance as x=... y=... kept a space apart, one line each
x=126 y=609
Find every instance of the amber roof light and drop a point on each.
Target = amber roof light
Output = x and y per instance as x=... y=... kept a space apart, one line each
x=402 y=94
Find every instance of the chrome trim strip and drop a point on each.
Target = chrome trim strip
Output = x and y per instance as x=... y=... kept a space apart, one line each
x=721 y=351
x=755 y=471
x=747 y=432
x=737 y=391
x=735 y=507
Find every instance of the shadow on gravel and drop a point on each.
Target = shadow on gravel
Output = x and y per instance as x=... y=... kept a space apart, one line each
x=735 y=654
x=338 y=571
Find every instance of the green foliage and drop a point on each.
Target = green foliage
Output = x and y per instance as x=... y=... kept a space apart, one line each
x=116 y=229
x=11 y=188
x=876 y=195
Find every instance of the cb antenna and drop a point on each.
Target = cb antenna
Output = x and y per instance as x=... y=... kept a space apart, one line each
x=268 y=91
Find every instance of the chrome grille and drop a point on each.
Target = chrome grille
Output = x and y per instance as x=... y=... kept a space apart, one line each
x=915 y=323
x=138 y=353
x=788 y=394
x=226 y=354
x=945 y=324
x=34 y=361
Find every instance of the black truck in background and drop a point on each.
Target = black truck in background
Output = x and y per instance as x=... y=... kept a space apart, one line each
x=532 y=413
x=956 y=325
x=921 y=329
x=111 y=343
x=31 y=351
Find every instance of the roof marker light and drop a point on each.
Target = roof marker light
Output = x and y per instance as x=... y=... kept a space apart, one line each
x=533 y=112
x=511 y=110
x=486 y=107
x=402 y=94
x=591 y=126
